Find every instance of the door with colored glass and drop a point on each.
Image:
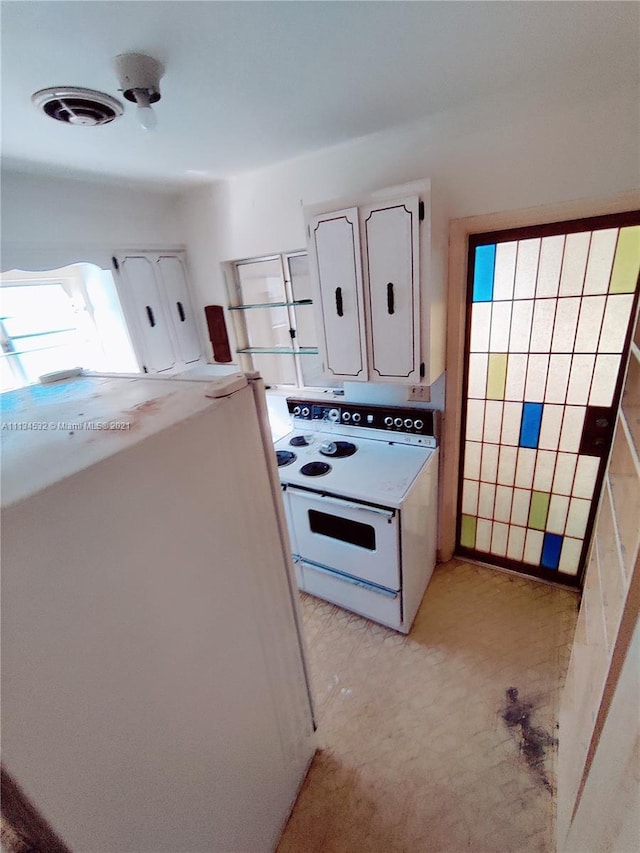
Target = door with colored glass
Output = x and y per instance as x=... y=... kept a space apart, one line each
x=548 y=325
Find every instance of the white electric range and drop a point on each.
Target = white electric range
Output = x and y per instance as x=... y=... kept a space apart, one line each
x=360 y=491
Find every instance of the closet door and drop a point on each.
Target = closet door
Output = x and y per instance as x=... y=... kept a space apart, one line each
x=143 y=299
x=335 y=247
x=172 y=274
x=391 y=262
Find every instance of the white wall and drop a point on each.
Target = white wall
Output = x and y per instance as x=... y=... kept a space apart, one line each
x=503 y=154
x=55 y=221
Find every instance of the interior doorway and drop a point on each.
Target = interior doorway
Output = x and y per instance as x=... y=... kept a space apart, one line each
x=548 y=326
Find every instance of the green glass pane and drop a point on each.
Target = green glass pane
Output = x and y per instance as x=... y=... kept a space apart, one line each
x=627 y=261
x=538 y=510
x=468 y=531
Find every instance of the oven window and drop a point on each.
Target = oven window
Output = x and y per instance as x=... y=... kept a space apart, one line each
x=354 y=532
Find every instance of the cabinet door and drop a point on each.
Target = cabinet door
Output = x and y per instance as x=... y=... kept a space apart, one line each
x=174 y=280
x=391 y=261
x=144 y=299
x=335 y=246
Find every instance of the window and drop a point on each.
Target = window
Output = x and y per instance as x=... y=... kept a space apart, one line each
x=63 y=319
x=272 y=305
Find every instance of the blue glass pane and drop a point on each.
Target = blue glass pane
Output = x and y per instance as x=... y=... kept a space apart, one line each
x=551 y=548
x=483 y=273
x=530 y=425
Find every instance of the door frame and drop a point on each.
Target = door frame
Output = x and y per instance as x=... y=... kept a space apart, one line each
x=459 y=232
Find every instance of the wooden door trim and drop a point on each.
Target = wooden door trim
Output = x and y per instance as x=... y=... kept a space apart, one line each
x=459 y=232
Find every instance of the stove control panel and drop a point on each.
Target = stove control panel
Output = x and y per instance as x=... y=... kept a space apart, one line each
x=387 y=418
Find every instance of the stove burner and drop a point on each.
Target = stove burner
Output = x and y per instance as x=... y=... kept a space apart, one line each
x=285 y=457
x=315 y=469
x=298 y=441
x=342 y=449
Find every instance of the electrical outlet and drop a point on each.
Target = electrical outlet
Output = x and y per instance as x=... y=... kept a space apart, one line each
x=419 y=393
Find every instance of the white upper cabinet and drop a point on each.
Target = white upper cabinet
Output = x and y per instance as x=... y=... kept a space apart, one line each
x=335 y=251
x=380 y=297
x=154 y=293
x=391 y=271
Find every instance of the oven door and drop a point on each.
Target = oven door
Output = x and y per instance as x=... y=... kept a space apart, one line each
x=355 y=539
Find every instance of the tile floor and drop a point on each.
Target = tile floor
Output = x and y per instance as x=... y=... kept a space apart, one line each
x=414 y=751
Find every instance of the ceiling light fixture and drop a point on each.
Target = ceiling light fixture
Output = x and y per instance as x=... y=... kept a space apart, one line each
x=139 y=77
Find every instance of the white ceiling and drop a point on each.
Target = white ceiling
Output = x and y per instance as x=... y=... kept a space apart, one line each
x=252 y=83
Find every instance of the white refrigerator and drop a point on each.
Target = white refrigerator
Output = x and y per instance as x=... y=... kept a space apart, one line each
x=155 y=693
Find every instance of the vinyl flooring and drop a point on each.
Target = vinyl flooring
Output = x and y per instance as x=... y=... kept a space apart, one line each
x=442 y=740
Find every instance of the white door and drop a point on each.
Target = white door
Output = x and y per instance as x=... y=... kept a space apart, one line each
x=173 y=275
x=144 y=297
x=391 y=263
x=335 y=244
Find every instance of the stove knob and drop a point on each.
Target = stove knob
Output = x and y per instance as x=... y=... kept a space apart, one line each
x=418 y=424
x=305 y=412
x=346 y=416
x=356 y=417
x=334 y=415
x=296 y=411
x=388 y=421
x=408 y=423
x=398 y=422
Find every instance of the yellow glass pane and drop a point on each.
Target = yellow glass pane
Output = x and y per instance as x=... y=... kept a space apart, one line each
x=538 y=510
x=601 y=251
x=468 y=531
x=526 y=268
x=550 y=265
x=497 y=376
x=504 y=270
x=499 y=539
x=515 y=547
x=558 y=379
x=627 y=261
x=574 y=263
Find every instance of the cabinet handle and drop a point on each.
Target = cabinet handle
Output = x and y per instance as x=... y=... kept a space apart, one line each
x=181 y=311
x=339 y=310
x=390 y=300
x=150 y=317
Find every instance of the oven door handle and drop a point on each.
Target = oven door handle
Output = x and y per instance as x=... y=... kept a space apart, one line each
x=338 y=502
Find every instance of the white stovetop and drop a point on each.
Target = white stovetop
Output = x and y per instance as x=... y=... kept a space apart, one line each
x=49 y=432
x=380 y=472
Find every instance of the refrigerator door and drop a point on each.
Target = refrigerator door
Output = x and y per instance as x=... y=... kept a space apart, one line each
x=155 y=696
